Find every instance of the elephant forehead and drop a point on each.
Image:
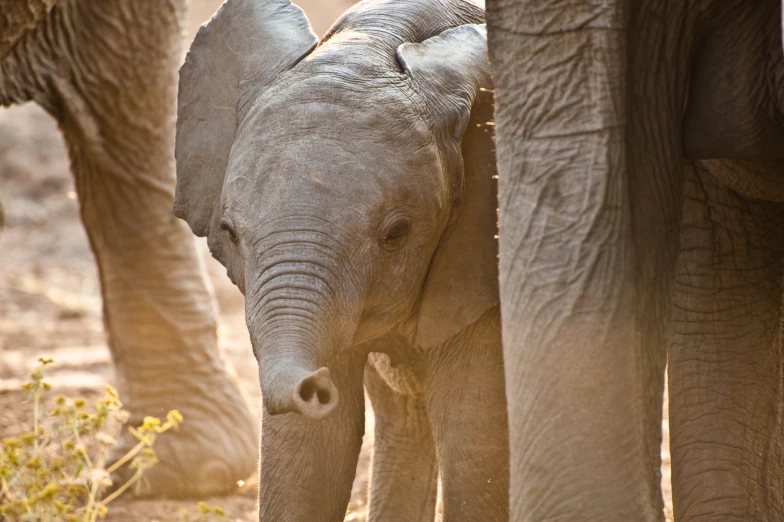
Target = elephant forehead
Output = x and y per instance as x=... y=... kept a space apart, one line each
x=327 y=144
x=338 y=181
x=305 y=156
x=332 y=138
x=330 y=167
x=349 y=109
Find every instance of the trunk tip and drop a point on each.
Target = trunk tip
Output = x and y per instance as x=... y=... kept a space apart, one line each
x=312 y=395
x=316 y=396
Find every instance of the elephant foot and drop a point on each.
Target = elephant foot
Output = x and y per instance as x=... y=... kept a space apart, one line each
x=212 y=451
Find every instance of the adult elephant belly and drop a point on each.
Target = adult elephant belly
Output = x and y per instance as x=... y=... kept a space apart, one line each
x=755 y=179
x=732 y=123
x=735 y=95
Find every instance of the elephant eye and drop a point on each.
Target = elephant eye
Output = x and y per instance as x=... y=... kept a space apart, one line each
x=396 y=232
x=227 y=225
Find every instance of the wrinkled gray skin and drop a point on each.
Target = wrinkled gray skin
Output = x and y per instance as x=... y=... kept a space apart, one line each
x=106 y=70
x=641 y=162
x=340 y=191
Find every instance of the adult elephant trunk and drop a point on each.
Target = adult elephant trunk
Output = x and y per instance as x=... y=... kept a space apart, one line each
x=588 y=145
x=296 y=326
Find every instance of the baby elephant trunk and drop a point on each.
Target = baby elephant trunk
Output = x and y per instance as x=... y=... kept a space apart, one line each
x=295 y=386
x=295 y=328
x=292 y=354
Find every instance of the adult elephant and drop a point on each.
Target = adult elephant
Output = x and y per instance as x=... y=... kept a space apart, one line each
x=598 y=106
x=107 y=71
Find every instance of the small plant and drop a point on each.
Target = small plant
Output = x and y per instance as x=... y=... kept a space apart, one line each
x=204 y=513
x=57 y=471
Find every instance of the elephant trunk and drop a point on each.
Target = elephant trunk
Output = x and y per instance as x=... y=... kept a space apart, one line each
x=293 y=384
x=296 y=327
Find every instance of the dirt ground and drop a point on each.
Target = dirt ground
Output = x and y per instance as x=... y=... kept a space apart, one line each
x=50 y=299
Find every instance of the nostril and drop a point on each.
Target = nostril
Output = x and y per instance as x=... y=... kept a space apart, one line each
x=316 y=395
x=307 y=390
x=323 y=396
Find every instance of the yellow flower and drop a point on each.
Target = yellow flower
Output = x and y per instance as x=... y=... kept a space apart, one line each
x=174 y=417
x=76 y=490
x=33 y=463
x=50 y=490
x=11 y=442
x=111 y=392
x=150 y=423
x=148 y=452
x=143 y=437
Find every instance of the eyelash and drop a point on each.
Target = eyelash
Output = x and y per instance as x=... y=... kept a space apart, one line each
x=401 y=228
x=227 y=225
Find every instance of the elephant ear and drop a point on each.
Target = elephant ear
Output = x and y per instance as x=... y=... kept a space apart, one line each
x=245 y=45
x=451 y=72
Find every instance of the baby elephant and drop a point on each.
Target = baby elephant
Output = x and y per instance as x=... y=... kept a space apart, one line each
x=347 y=186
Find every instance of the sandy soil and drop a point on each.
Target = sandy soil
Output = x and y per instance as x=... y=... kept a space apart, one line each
x=50 y=299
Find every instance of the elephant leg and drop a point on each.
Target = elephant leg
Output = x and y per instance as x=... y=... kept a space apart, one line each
x=108 y=72
x=308 y=466
x=404 y=482
x=588 y=100
x=466 y=404
x=725 y=371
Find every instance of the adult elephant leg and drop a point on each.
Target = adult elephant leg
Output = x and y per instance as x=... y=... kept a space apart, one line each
x=404 y=482
x=725 y=371
x=308 y=466
x=467 y=409
x=107 y=71
x=588 y=146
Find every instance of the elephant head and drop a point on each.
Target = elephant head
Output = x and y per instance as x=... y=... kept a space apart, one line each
x=330 y=183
